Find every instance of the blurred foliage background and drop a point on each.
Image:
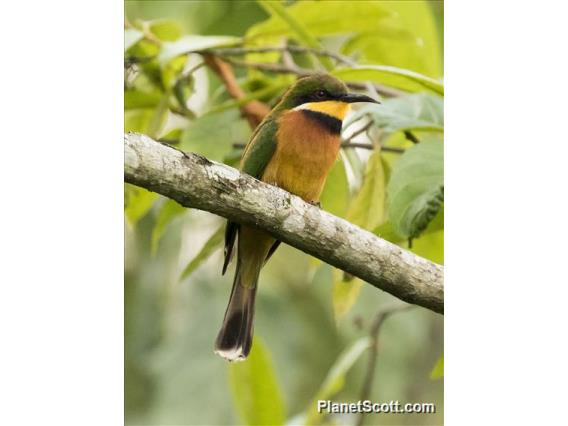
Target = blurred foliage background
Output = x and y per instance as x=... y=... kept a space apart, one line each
x=313 y=323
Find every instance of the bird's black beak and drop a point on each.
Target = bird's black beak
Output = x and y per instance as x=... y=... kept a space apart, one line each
x=355 y=97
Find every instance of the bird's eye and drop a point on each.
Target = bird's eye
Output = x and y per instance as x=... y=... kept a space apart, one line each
x=320 y=94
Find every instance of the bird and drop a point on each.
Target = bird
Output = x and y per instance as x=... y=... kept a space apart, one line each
x=294 y=148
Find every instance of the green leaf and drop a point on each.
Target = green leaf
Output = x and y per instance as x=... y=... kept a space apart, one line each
x=168 y=211
x=212 y=135
x=429 y=245
x=192 y=43
x=386 y=232
x=345 y=294
x=416 y=188
x=320 y=18
x=137 y=120
x=170 y=72
x=335 y=194
x=277 y=10
x=255 y=389
x=159 y=117
x=335 y=379
x=420 y=112
x=165 y=29
x=137 y=203
x=131 y=37
x=438 y=370
x=211 y=245
x=391 y=76
x=408 y=39
x=134 y=99
x=143 y=49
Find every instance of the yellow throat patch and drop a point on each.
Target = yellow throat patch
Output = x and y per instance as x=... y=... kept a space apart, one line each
x=334 y=109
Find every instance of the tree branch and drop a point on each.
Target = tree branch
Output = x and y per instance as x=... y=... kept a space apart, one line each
x=194 y=181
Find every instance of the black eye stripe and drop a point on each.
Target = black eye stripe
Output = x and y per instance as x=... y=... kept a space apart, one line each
x=313 y=97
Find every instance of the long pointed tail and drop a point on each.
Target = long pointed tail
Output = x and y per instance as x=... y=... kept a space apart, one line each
x=234 y=340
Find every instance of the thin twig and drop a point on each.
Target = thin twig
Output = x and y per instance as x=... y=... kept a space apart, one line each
x=369 y=146
x=380 y=318
x=275 y=68
x=239 y=51
x=347 y=143
x=411 y=136
x=254 y=111
x=361 y=130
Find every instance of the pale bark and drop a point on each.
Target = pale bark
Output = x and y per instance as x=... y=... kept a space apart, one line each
x=196 y=182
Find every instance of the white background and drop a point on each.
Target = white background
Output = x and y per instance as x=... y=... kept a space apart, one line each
x=61 y=158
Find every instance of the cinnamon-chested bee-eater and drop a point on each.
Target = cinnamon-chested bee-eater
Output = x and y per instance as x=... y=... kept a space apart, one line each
x=293 y=148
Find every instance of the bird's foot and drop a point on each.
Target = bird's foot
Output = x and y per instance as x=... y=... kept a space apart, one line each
x=315 y=203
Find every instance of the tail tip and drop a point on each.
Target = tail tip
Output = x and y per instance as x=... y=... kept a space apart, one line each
x=235 y=354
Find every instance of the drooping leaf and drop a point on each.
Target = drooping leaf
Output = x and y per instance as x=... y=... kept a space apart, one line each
x=367 y=210
x=345 y=293
x=335 y=194
x=335 y=379
x=192 y=43
x=416 y=188
x=212 y=135
x=131 y=37
x=438 y=370
x=255 y=390
x=391 y=76
x=211 y=245
x=420 y=112
x=137 y=202
x=168 y=211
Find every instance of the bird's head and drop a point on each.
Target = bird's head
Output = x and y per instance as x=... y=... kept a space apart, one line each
x=322 y=93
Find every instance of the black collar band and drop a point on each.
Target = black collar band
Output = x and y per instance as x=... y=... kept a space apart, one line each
x=332 y=124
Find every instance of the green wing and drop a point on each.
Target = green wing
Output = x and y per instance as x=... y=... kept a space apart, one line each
x=256 y=156
x=260 y=148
